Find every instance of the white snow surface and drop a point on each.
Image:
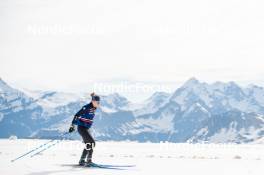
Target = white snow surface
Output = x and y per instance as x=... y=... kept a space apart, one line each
x=147 y=158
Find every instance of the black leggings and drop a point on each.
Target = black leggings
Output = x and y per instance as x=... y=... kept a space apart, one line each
x=88 y=140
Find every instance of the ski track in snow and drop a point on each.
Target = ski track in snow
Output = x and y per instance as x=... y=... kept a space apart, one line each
x=148 y=158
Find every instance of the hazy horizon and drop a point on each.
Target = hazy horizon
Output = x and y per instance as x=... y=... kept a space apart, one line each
x=110 y=87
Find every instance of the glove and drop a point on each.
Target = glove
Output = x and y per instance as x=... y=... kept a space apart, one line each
x=71 y=129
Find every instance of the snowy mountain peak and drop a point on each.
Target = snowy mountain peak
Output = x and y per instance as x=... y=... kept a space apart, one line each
x=4 y=87
x=233 y=85
x=255 y=92
x=191 y=82
x=116 y=96
x=113 y=102
x=225 y=87
x=252 y=86
x=158 y=95
x=2 y=83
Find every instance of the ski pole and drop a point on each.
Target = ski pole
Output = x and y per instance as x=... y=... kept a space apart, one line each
x=45 y=148
x=23 y=155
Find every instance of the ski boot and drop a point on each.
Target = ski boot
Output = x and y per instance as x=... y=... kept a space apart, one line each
x=83 y=157
x=82 y=162
x=89 y=163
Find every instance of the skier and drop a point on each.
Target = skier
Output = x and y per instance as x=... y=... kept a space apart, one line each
x=84 y=120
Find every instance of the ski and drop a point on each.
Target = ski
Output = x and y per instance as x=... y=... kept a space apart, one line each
x=95 y=165
x=116 y=166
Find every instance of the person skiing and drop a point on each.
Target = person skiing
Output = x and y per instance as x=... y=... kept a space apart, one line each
x=84 y=120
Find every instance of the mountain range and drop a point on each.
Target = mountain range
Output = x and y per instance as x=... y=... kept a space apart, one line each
x=195 y=112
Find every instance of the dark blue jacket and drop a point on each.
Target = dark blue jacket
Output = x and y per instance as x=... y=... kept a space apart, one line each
x=85 y=116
